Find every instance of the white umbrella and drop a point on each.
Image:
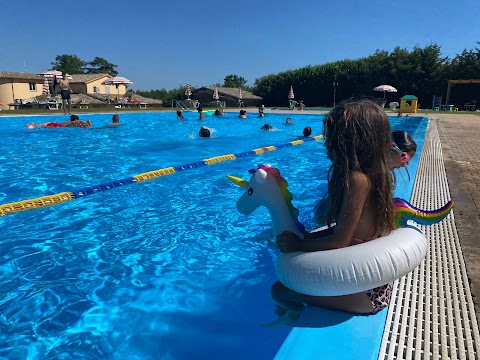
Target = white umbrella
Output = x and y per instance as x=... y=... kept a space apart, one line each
x=215 y=93
x=46 y=87
x=117 y=81
x=239 y=93
x=385 y=89
x=52 y=73
x=291 y=95
x=188 y=92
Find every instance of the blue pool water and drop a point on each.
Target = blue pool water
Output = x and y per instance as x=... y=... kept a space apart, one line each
x=165 y=269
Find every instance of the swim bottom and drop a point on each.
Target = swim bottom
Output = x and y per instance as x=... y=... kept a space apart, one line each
x=380 y=297
x=53 y=125
x=65 y=94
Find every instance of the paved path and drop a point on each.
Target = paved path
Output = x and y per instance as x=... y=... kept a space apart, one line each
x=460 y=138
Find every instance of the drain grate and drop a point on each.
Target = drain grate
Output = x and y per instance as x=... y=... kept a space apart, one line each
x=431 y=314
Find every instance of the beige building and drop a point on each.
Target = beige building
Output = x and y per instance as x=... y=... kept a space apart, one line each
x=25 y=86
x=92 y=84
x=18 y=85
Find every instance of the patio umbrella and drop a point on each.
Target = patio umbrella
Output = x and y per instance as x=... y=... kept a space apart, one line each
x=117 y=81
x=291 y=95
x=215 y=93
x=52 y=73
x=46 y=87
x=385 y=89
x=239 y=94
x=188 y=92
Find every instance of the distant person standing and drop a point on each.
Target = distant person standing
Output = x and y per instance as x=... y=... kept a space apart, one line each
x=65 y=91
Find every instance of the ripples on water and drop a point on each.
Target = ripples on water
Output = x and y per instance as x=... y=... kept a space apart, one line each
x=165 y=269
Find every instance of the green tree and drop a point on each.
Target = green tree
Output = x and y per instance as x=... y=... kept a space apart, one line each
x=70 y=64
x=100 y=66
x=422 y=72
x=234 y=81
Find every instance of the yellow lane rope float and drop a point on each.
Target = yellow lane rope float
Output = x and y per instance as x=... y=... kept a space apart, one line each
x=50 y=200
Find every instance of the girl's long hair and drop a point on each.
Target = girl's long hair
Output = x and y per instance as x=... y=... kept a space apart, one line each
x=358 y=137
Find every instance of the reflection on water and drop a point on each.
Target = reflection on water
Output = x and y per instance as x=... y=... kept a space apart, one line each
x=165 y=269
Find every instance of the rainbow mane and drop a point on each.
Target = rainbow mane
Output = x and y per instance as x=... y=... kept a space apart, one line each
x=405 y=211
x=287 y=195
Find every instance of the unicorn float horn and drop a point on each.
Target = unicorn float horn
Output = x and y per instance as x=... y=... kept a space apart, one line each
x=267 y=188
x=238 y=181
x=405 y=211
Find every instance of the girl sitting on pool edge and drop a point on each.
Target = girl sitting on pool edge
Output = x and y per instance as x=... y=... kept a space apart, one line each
x=359 y=144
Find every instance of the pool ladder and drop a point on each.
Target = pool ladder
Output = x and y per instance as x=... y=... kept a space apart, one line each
x=181 y=105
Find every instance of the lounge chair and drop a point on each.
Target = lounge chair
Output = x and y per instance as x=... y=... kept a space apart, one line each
x=470 y=106
x=393 y=105
x=82 y=104
x=123 y=103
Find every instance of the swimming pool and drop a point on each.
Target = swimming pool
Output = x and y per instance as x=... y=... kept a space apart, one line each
x=165 y=269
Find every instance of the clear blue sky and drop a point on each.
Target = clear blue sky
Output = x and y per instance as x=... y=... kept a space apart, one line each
x=165 y=44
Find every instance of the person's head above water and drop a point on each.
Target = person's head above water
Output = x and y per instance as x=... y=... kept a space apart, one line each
x=115 y=119
x=266 y=127
x=405 y=142
x=74 y=118
x=403 y=149
x=307 y=131
x=204 y=132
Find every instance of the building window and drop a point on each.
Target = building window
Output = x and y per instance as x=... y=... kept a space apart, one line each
x=33 y=86
x=96 y=89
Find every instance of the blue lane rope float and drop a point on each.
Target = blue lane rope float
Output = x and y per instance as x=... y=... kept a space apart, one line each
x=62 y=197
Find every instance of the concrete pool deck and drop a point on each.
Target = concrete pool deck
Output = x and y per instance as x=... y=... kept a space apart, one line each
x=459 y=136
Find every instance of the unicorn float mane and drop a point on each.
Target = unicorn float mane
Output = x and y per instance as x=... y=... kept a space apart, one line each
x=268 y=188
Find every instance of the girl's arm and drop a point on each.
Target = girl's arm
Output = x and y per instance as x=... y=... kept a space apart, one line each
x=348 y=219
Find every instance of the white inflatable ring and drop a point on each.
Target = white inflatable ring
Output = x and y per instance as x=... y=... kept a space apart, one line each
x=355 y=268
x=342 y=271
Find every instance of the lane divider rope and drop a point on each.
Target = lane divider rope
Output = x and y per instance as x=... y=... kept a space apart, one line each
x=49 y=200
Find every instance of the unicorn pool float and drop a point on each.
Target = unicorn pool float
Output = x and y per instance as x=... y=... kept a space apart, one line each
x=341 y=271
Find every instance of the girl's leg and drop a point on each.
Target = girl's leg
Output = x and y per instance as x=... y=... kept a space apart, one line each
x=292 y=301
